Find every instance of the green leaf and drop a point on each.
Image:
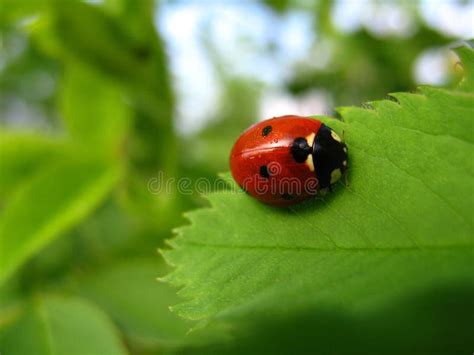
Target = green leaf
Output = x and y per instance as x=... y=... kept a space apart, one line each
x=142 y=312
x=48 y=205
x=54 y=325
x=402 y=224
x=85 y=32
x=21 y=157
x=11 y=11
x=94 y=110
x=119 y=41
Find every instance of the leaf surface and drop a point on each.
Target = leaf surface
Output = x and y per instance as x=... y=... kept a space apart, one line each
x=142 y=307
x=22 y=156
x=403 y=223
x=49 y=204
x=54 y=326
x=94 y=110
x=133 y=307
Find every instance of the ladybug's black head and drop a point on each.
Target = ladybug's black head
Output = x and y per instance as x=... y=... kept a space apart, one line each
x=329 y=156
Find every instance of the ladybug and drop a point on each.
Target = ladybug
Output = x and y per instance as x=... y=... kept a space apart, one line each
x=285 y=160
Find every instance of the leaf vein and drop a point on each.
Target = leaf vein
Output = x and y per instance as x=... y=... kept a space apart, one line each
x=459 y=246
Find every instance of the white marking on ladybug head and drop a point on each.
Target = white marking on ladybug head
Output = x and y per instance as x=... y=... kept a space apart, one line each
x=344 y=163
x=335 y=136
x=335 y=175
x=309 y=162
x=310 y=139
x=344 y=149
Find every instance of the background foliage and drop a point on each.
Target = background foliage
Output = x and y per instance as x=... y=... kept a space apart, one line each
x=88 y=112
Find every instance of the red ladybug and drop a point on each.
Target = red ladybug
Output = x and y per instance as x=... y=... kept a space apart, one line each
x=287 y=159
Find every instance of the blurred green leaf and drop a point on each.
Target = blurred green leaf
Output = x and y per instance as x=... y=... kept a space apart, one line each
x=85 y=32
x=136 y=16
x=22 y=156
x=94 y=110
x=55 y=325
x=49 y=204
x=403 y=223
x=141 y=309
x=14 y=10
x=105 y=235
x=128 y=51
x=134 y=56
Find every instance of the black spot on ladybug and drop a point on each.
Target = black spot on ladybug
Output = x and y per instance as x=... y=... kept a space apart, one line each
x=264 y=172
x=266 y=130
x=300 y=149
x=287 y=197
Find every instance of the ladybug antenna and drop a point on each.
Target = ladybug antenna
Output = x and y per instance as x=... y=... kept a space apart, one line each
x=300 y=149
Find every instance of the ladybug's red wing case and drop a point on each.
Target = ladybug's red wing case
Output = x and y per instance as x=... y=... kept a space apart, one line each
x=264 y=163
